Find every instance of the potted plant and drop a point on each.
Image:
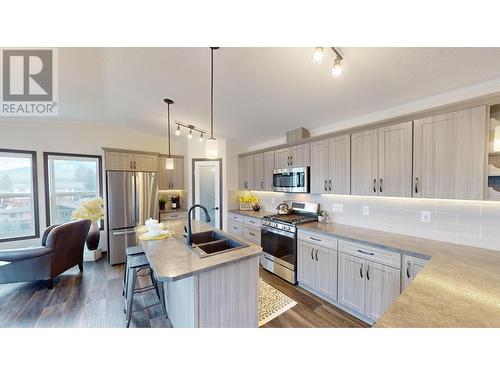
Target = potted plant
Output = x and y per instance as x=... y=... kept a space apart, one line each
x=162 y=202
x=93 y=210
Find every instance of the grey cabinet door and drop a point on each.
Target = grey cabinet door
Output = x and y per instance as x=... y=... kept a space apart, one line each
x=282 y=158
x=339 y=174
x=319 y=167
x=382 y=288
x=268 y=170
x=449 y=155
x=364 y=162
x=246 y=172
x=326 y=272
x=258 y=171
x=351 y=282
x=395 y=160
x=300 y=155
x=306 y=264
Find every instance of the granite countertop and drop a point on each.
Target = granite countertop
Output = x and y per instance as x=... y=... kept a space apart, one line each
x=255 y=214
x=171 y=260
x=458 y=287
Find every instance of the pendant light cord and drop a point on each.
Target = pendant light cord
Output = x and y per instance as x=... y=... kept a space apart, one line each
x=212 y=93
x=168 y=127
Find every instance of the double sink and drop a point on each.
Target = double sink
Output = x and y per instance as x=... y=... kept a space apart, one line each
x=213 y=243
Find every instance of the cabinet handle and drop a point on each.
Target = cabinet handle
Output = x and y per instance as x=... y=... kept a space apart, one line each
x=131 y=164
x=416 y=185
x=288 y=160
x=262 y=185
x=326 y=189
x=135 y=164
x=235 y=227
x=361 y=270
x=312 y=256
x=367 y=272
x=365 y=252
x=315 y=239
x=330 y=185
x=316 y=255
x=251 y=234
x=380 y=186
x=291 y=160
x=408 y=269
x=374 y=185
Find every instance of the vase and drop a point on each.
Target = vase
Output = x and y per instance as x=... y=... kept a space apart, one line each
x=93 y=236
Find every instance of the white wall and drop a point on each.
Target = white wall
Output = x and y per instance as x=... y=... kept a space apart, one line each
x=76 y=138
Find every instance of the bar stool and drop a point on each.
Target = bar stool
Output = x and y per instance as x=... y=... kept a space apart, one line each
x=135 y=261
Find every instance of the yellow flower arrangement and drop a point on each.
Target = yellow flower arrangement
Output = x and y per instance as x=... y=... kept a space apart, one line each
x=249 y=199
x=91 y=209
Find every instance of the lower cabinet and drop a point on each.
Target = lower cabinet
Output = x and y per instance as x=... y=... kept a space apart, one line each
x=365 y=286
x=410 y=267
x=317 y=268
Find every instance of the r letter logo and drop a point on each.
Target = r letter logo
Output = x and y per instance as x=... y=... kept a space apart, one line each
x=29 y=82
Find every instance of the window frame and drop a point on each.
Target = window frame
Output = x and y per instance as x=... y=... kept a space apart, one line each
x=34 y=181
x=47 y=179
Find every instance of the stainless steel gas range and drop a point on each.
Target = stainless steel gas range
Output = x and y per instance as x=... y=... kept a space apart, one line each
x=279 y=239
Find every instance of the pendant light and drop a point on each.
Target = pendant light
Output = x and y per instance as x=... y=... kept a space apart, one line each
x=211 y=147
x=169 y=162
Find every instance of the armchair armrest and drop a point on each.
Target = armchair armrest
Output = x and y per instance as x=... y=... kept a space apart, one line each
x=12 y=255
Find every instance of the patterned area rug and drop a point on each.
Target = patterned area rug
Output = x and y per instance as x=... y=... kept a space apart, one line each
x=272 y=302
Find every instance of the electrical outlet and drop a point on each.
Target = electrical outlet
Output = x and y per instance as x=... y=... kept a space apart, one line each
x=337 y=207
x=425 y=216
x=366 y=210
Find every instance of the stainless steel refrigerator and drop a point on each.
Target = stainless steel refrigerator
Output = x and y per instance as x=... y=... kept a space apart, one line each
x=132 y=198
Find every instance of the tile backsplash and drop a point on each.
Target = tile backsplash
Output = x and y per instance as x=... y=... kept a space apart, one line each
x=465 y=222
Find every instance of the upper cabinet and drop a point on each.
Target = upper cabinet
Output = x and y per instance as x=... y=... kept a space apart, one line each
x=293 y=156
x=449 y=155
x=268 y=170
x=116 y=160
x=171 y=179
x=258 y=177
x=382 y=161
x=247 y=172
x=330 y=165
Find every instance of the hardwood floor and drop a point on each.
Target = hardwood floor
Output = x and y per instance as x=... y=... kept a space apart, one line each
x=94 y=299
x=310 y=311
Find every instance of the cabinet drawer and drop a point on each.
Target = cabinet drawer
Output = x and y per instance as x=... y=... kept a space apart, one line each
x=252 y=234
x=252 y=222
x=236 y=217
x=235 y=228
x=318 y=239
x=173 y=215
x=372 y=253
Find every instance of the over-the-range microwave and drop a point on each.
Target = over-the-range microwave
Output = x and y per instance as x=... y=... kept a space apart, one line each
x=291 y=180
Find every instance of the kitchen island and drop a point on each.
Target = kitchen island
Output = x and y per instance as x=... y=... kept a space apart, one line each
x=220 y=290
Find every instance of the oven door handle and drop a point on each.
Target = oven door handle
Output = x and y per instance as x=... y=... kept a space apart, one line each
x=278 y=232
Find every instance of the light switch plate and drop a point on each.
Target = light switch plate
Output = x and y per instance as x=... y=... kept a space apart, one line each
x=337 y=207
x=425 y=216
x=366 y=210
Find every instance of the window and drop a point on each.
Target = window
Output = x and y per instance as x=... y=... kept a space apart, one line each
x=68 y=179
x=18 y=195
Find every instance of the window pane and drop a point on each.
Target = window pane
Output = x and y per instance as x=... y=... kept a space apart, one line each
x=17 y=217
x=71 y=179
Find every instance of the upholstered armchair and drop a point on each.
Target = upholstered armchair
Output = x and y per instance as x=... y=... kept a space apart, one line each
x=61 y=249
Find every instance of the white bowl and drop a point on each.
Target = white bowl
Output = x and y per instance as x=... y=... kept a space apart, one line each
x=151 y=222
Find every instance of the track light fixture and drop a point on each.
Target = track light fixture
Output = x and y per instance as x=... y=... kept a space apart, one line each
x=337 y=64
x=191 y=128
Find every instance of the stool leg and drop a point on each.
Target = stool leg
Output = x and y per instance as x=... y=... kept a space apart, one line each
x=132 y=274
x=125 y=277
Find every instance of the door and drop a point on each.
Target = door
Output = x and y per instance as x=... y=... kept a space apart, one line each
x=364 y=162
x=207 y=182
x=306 y=264
x=351 y=282
x=449 y=155
x=339 y=181
x=300 y=155
x=319 y=171
x=268 y=170
x=326 y=272
x=177 y=179
x=382 y=288
x=395 y=160
x=146 y=187
x=258 y=178
x=121 y=200
x=411 y=267
x=282 y=158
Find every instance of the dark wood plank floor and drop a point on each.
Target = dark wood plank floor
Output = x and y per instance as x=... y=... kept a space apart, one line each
x=94 y=299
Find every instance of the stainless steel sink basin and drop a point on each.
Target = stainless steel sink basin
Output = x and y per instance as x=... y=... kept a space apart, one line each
x=209 y=236
x=213 y=243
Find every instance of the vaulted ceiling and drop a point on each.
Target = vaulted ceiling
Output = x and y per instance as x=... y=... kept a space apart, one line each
x=260 y=93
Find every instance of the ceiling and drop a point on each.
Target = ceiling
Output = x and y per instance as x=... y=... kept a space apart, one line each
x=260 y=93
